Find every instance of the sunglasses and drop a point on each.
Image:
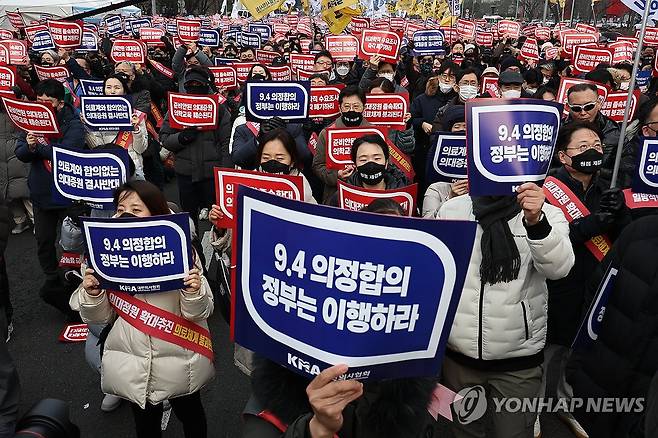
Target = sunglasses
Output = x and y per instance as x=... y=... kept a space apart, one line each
x=578 y=108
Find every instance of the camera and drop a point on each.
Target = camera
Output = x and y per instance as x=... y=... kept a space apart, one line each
x=49 y=418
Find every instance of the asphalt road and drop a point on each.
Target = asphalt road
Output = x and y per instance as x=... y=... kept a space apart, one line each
x=51 y=369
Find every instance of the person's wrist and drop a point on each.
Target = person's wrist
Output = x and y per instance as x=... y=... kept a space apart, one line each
x=318 y=430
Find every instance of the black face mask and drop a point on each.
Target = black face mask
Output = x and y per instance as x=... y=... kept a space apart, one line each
x=197 y=89
x=274 y=166
x=125 y=214
x=257 y=77
x=352 y=118
x=587 y=162
x=647 y=60
x=371 y=173
x=426 y=68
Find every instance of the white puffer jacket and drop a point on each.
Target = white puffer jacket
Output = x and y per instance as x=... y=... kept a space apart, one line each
x=512 y=316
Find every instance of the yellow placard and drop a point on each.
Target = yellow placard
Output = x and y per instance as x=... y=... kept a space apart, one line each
x=260 y=8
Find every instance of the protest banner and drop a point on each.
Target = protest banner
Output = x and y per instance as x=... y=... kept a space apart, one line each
x=66 y=34
x=615 y=104
x=136 y=25
x=509 y=142
x=31 y=31
x=566 y=83
x=324 y=102
x=114 y=25
x=509 y=29
x=342 y=47
x=339 y=143
x=74 y=333
x=484 y=39
x=357 y=25
x=375 y=292
x=585 y=28
x=106 y=113
x=587 y=58
x=450 y=34
x=650 y=36
x=35 y=117
x=192 y=110
x=7 y=77
x=428 y=42
x=288 y=100
x=530 y=50
x=266 y=56
x=89 y=42
x=591 y=326
x=209 y=38
x=465 y=29
x=262 y=29
x=242 y=70
x=171 y=28
x=60 y=72
x=15 y=19
x=16 y=52
x=490 y=85
x=640 y=200
x=247 y=39
x=161 y=68
x=622 y=51
x=188 y=30
x=225 y=77
x=282 y=73
x=356 y=198
x=645 y=179
x=571 y=39
x=543 y=33
x=379 y=42
x=228 y=180
x=139 y=255
x=128 y=50
x=151 y=36
x=88 y=176
x=42 y=40
x=446 y=160
x=261 y=8
x=91 y=88
x=386 y=110
x=300 y=61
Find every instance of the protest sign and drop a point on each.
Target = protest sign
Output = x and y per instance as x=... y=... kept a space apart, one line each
x=266 y=56
x=31 y=31
x=188 y=30
x=640 y=200
x=446 y=160
x=342 y=47
x=34 y=117
x=247 y=39
x=339 y=143
x=114 y=25
x=288 y=100
x=89 y=42
x=529 y=50
x=645 y=179
x=591 y=326
x=509 y=142
x=139 y=255
x=484 y=39
x=566 y=83
x=650 y=36
x=356 y=198
x=74 y=333
x=571 y=39
x=66 y=34
x=379 y=42
x=375 y=292
x=428 y=42
x=151 y=36
x=42 y=40
x=209 y=38
x=136 y=25
x=264 y=30
x=465 y=29
x=642 y=80
x=509 y=29
x=543 y=33
x=357 y=25
x=324 y=102
x=282 y=73
x=15 y=19
x=60 y=72
x=128 y=50
x=622 y=51
x=386 y=110
x=300 y=61
x=16 y=52
x=228 y=180
x=225 y=77
x=450 y=34
x=615 y=104
x=89 y=176
x=91 y=88
x=490 y=85
x=242 y=70
x=106 y=113
x=7 y=77
x=585 y=28
x=192 y=110
x=587 y=58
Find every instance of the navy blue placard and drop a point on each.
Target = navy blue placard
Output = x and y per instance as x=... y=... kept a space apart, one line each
x=106 y=113
x=331 y=286
x=428 y=42
x=114 y=26
x=42 y=40
x=645 y=179
x=89 y=42
x=248 y=39
x=209 y=37
x=139 y=255
x=91 y=88
x=446 y=160
x=264 y=30
x=288 y=100
x=509 y=142
x=591 y=326
x=89 y=176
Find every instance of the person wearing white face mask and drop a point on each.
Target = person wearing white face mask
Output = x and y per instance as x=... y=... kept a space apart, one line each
x=467 y=87
x=378 y=68
x=510 y=84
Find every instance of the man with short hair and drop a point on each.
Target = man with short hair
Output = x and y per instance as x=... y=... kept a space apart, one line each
x=511 y=84
x=323 y=61
x=584 y=105
x=48 y=215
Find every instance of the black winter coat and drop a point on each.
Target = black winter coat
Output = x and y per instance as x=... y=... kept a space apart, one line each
x=624 y=358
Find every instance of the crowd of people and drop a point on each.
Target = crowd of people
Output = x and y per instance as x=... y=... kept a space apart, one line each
x=530 y=278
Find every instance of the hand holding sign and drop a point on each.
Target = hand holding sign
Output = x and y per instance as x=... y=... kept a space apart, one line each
x=90 y=283
x=192 y=281
x=328 y=398
x=531 y=199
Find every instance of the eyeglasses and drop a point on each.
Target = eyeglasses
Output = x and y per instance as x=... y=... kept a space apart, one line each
x=578 y=108
x=584 y=147
x=447 y=77
x=648 y=124
x=325 y=63
x=354 y=107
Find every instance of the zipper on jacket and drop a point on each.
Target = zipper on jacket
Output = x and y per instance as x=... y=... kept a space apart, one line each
x=525 y=321
x=480 y=321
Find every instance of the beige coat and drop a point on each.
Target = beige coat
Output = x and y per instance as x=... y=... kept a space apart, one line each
x=142 y=368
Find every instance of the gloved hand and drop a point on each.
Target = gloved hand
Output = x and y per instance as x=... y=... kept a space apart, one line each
x=188 y=135
x=77 y=209
x=612 y=201
x=271 y=124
